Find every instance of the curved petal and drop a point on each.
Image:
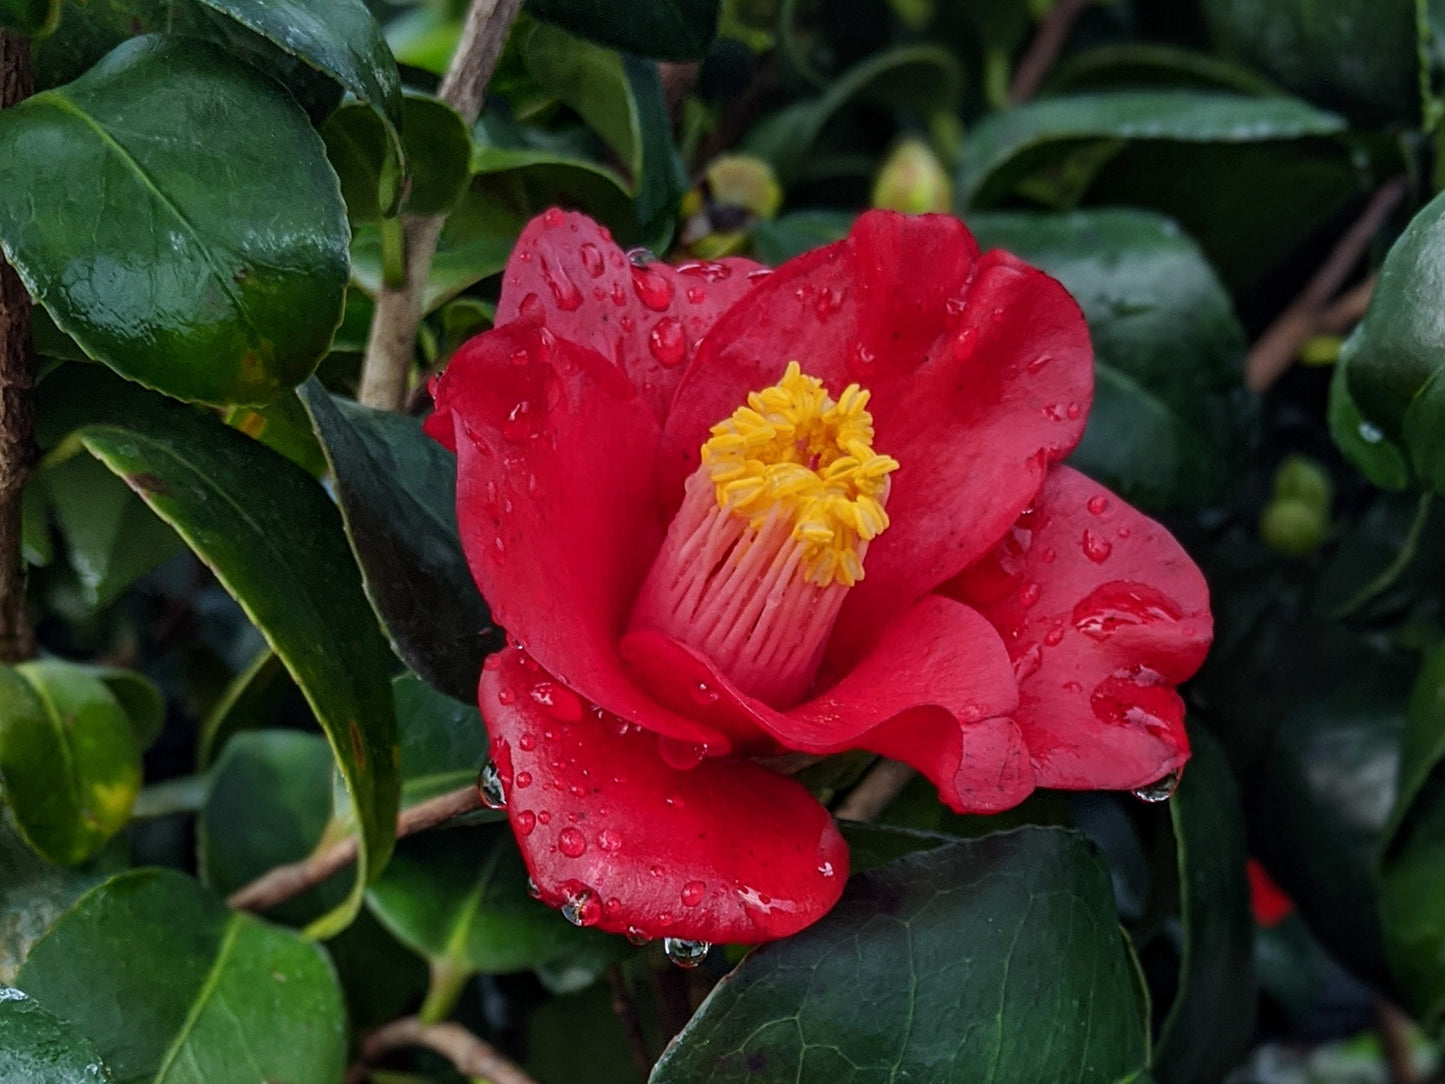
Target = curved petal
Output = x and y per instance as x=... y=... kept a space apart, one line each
x=646 y=320
x=935 y=691
x=980 y=372
x=725 y=852
x=555 y=505
x=1103 y=614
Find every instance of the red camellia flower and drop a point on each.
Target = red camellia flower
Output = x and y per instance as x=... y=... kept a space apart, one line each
x=728 y=514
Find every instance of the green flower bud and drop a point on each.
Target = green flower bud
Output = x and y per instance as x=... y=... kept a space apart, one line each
x=1292 y=528
x=1301 y=478
x=913 y=180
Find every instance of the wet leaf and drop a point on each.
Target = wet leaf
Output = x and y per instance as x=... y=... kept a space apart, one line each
x=438 y=153
x=214 y=263
x=397 y=490
x=224 y=997
x=38 y=1047
x=878 y=988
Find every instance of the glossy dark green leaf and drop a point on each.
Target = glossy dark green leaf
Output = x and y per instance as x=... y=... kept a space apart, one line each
x=438 y=154
x=443 y=741
x=68 y=758
x=111 y=539
x=1357 y=55
x=207 y=993
x=276 y=543
x=144 y=704
x=579 y=1037
x=922 y=78
x=1005 y=145
x=29 y=18
x=269 y=803
x=397 y=489
x=38 y=1047
x=213 y=264
x=668 y=29
x=251 y=701
x=590 y=80
x=459 y=898
x=1211 y=1020
x=34 y=893
x=793 y=234
x=1395 y=359
x=1169 y=413
x=1166 y=67
x=982 y=946
x=1363 y=443
x=283 y=426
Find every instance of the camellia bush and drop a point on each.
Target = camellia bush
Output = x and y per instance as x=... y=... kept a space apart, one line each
x=721 y=541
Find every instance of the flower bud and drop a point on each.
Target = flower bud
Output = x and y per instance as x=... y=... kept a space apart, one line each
x=1302 y=479
x=913 y=180
x=736 y=191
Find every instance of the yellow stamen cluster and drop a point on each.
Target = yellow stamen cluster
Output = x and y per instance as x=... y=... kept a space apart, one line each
x=794 y=449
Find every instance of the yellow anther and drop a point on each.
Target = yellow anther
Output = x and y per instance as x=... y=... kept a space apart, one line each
x=795 y=449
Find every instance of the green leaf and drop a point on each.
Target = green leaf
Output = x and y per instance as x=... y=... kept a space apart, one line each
x=251 y=701
x=34 y=893
x=438 y=153
x=922 y=78
x=1357 y=55
x=283 y=426
x=1363 y=442
x=269 y=803
x=1412 y=885
x=215 y=259
x=1135 y=64
x=1395 y=359
x=1170 y=413
x=110 y=538
x=443 y=741
x=793 y=234
x=276 y=543
x=667 y=29
x=29 y=18
x=590 y=80
x=207 y=993
x=68 y=758
x=397 y=490
x=38 y=1047
x=1211 y=1021
x=879 y=989
x=460 y=899
x=1249 y=178
x=142 y=702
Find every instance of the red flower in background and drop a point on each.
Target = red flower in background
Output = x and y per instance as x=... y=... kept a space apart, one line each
x=707 y=554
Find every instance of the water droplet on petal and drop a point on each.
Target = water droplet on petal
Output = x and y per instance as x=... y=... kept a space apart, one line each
x=692 y=893
x=619 y=295
x=544 y=817
x=609 y=840
x=506 y=695
x=591 y=259
x=640 y=256
x=652 y=288
x=826 y=869
x=564 y=290
x=1162 y=789
x=1072 y=411
x=523 y=781
x=532 y=889
x=668 y=342
x=1095 y=548
x=962 y=345
x=705 y=269
x=527 y=742
x=571 y=842
x=1097 y=505
x=521 y=421
x=696 y=294
x=531 y=305
x=1054 y=636
x=525 y=822
x=1029 y=594
x=862 y=355
x=681 y=755
x=684 y=953
x=637 y=935
x=581 y=907
x=704 y=694
x=1028 y=662
x=1115 y=604
x=558 y=701
x=489 y=786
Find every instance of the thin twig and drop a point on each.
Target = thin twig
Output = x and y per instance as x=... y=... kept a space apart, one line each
x=285 y=882
x=883 y=783
x=17 y=412
x=1394 y=1029
x=470 y=1055
x=1280 y=344
x=398 y=310
x=1048 y=42
x=1347 y=310
x=626 y=1010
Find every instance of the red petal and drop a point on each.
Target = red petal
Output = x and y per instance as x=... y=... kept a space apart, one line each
x=725 y=852
x=980 y=372
x=934 y=692
x=646 y=320
x=1103 y=614
x=555 y=505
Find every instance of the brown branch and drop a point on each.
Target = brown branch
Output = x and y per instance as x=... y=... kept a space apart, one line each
x=1347 y=310
x=398 y=312
x=1394 y=1028
x=17 y=412
x=470 y=1055
x=284 y=882
x=883 y=783
x=1048 y=42
x=1277 y=348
